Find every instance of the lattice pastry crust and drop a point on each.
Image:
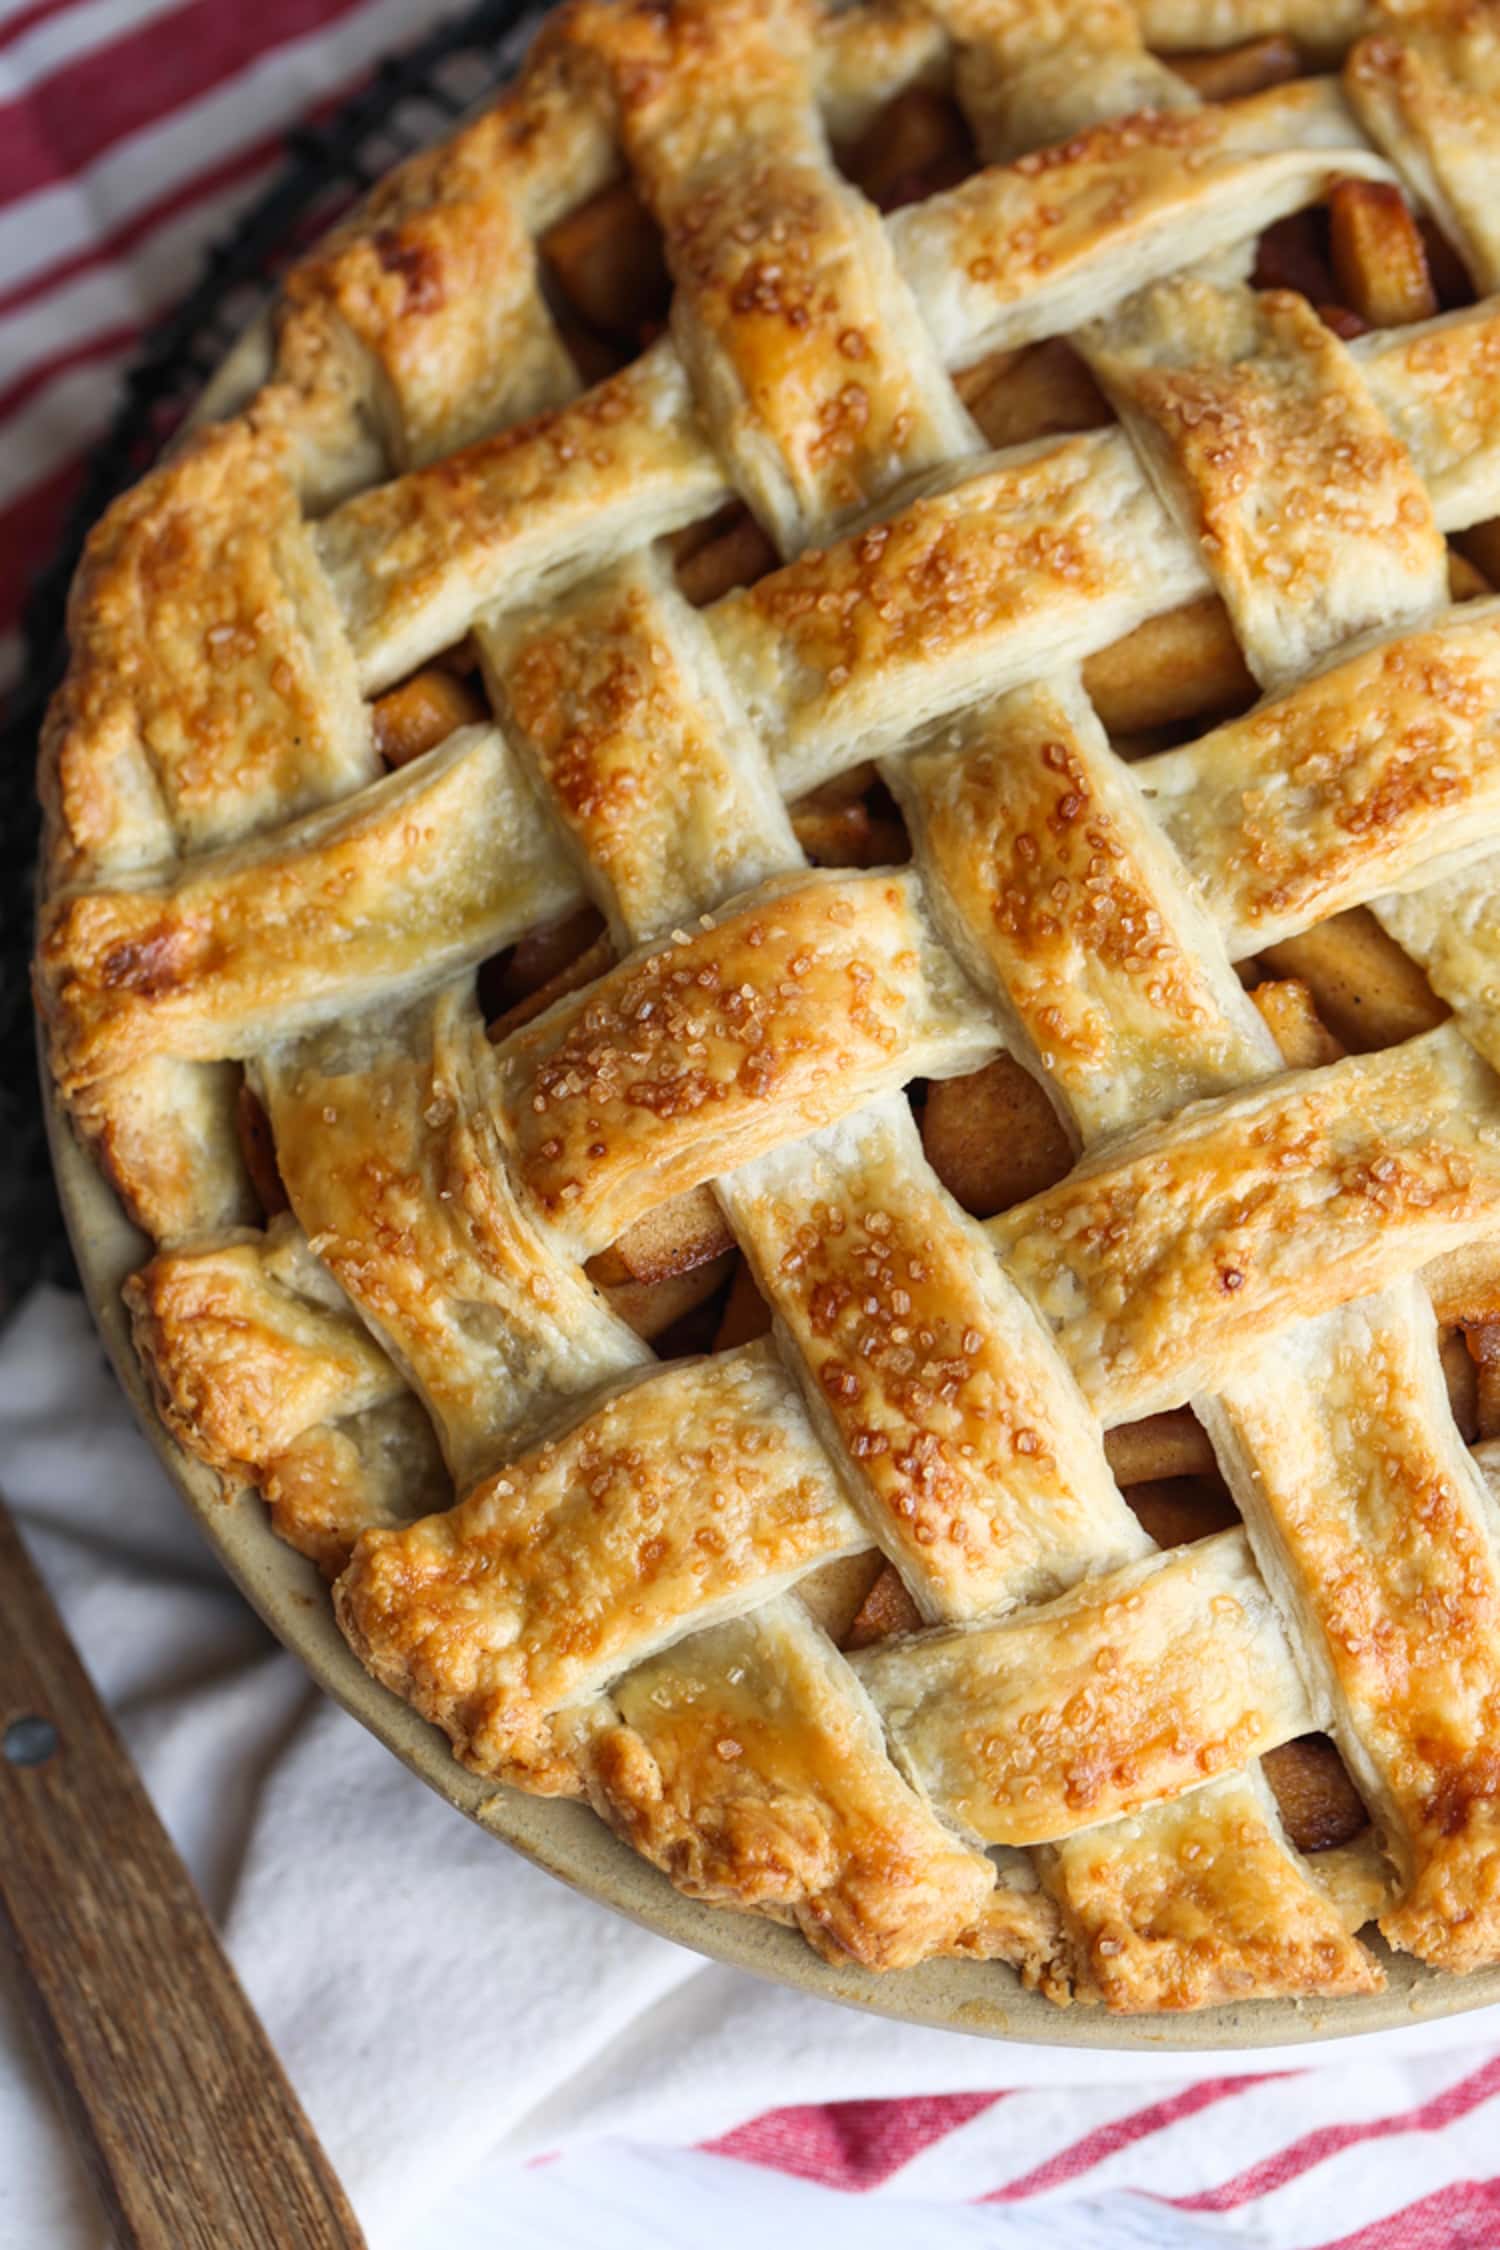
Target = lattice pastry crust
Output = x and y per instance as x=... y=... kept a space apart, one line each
x=586 y=1564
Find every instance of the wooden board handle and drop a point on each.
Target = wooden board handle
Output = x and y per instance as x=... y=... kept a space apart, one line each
x=194 y=2137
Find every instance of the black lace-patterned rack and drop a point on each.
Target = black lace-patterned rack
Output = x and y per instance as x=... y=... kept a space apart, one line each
x=409 y=101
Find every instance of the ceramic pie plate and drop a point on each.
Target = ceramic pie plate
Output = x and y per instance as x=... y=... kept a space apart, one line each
x=564 y=1836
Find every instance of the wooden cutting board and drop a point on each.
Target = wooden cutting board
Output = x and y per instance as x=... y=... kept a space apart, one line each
x=193 y=2136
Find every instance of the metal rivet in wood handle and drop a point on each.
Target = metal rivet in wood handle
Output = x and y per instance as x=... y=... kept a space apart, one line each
x=194 y=2138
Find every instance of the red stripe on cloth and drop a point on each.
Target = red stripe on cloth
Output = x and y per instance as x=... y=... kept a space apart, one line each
x=106 y=344
x=1124 y=2132
x=28 y=18
x=1316 y=2148
x=112 y=249
x=54 y=129
x=850 y=2145
x=1465 y=2216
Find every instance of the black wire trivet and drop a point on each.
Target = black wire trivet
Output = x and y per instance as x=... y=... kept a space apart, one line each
x=410 y=101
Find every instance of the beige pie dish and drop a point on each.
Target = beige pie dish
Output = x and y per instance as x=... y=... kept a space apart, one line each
x=569 y=1842
x=564 y=1837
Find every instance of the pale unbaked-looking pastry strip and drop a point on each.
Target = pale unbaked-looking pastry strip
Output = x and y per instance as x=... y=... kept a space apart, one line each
x=1161 y=1257
x=1259 y=431
x=1320 y=27
x=1032 y=73
x=1425 y=86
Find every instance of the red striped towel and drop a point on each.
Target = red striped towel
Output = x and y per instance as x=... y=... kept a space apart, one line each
x=1417 y=2177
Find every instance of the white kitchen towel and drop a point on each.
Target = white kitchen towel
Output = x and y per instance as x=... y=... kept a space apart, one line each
x=448 y=2013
